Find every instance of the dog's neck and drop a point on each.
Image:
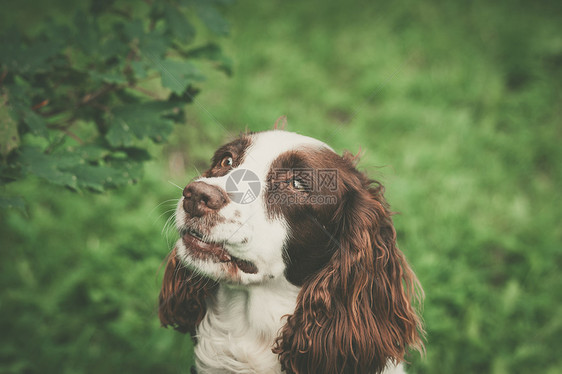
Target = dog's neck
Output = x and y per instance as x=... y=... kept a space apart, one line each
x=258 y=307
x=241 y=325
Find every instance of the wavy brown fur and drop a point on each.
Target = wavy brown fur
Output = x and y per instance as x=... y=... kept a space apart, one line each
x=355 y=314
x=182 y=298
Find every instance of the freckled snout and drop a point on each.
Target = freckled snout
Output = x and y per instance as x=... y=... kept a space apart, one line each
x=201 y=198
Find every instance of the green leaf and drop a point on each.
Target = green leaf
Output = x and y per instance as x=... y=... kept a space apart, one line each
x=140 y=120
x=10 y=172
x=209 y=51
x=137 y=154
x=69 y=168
x=9 y=137
x=45 y=166
x=100 y=6
x=67 y=158
x=177 y=75
x=154 y=42
x=87 y=34
x=20 y=92
x=129 y=171
x=157 y=131
x=119 y=133
x=92 y=152
x=113 y=48
x=17 y=56
x=13 y=202
x=140 y=69
x=96 y=178
x=35 y=122
x=212 y=19
x=177 y=24
x=212 y=52
x=19 y=100
x=116 y=77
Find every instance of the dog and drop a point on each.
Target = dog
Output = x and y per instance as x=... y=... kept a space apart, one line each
x=287 y=263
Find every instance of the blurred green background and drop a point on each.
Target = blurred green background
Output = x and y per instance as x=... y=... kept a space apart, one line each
x=457 y=108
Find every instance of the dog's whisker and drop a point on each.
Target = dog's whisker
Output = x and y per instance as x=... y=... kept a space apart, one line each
x=169 y=201
x=172 y=215
x=168 y=230
x=175 y=185
x=169 y=211
x=197 y=171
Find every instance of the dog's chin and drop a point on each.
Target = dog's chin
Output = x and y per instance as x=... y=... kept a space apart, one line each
x=212 y=258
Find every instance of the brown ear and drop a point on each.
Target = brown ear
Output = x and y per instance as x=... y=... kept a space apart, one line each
x=182 y=300
x=355 y=314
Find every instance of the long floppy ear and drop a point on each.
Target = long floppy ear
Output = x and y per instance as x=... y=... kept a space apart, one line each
x=355 y=315
x=182 y=300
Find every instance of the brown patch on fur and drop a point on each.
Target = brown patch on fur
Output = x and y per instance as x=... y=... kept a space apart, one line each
x=182 y=300
x=236 y=149
x=354 y=312
x=309 y=247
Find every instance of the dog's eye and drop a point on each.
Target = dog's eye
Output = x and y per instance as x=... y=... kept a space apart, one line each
x=226 y=161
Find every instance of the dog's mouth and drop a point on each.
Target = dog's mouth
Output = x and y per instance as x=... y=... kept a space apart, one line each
x=205 y=249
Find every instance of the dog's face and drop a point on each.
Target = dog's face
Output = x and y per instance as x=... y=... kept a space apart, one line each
x=243 y=220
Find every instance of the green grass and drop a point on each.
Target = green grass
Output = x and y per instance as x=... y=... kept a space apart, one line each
x=80 y=281
x=456 y=108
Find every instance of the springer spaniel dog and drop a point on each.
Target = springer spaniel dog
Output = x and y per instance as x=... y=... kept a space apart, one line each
x=287 y=263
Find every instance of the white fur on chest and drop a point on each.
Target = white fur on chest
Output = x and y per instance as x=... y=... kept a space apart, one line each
x=240 y=327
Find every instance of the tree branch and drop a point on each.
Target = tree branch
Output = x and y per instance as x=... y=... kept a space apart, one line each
x=94 y=95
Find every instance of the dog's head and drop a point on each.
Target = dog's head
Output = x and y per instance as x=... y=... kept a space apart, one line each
x=278 y=205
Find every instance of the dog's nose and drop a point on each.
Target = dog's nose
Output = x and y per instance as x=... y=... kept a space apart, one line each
x=201 y=198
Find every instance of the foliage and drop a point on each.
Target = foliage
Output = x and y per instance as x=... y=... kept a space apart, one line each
x=460 y=104
x=80 y=95
x=80 y=284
